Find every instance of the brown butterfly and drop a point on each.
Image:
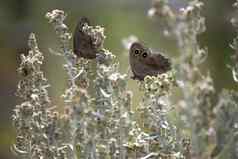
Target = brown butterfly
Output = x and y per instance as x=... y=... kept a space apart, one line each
x=143 y=62
x=83 y=44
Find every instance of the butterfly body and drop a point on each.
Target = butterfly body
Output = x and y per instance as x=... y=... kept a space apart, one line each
x=143 y=62
x=83 y=44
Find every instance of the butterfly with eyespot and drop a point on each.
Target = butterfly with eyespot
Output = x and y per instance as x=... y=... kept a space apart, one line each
x=144 y=62
x=83 y=44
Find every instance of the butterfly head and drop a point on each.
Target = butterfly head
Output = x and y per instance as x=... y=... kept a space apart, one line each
x=139 y=51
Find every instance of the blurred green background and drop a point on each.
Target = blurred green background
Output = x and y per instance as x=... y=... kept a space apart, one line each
x=121 y=18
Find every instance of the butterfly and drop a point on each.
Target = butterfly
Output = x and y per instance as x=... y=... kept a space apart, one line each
x=144 y=62
x=82 y=43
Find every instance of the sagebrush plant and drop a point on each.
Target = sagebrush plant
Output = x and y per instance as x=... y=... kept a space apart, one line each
x=186 y=24
x=226 y=110
x=41 y=131
x=99 y=121
x=213 y=127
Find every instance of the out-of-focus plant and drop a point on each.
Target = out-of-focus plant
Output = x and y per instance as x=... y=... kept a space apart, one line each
x=196 y=108
x=212 y=124
x=234 y=46
x=225 y=123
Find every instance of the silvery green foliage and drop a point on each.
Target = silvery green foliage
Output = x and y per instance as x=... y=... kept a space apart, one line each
x=186 y=24
x=153 y=136
x=100 y=116
x=226 y=141
x=76 y=97
x=198 y=107
x=113 y=107
x=226 y=125
x=213 y=126
x=40 y=130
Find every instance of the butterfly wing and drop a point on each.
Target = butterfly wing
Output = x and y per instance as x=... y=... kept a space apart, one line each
x=158 y=62
x=82 y=44
x=146 y=63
